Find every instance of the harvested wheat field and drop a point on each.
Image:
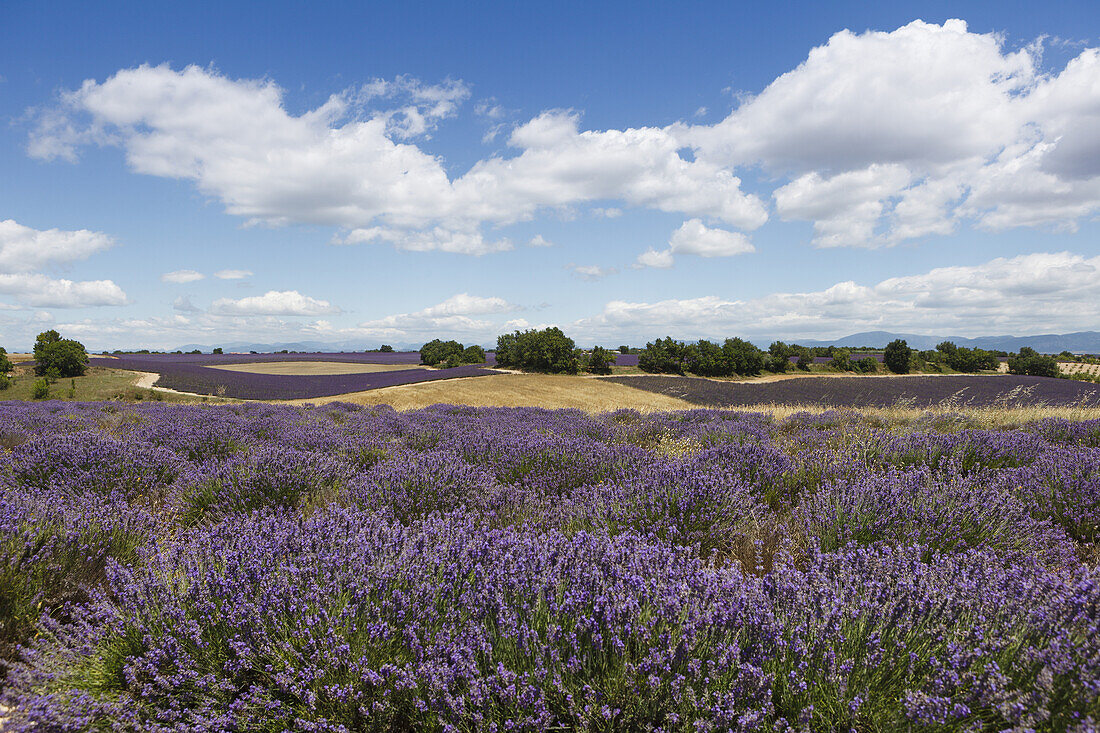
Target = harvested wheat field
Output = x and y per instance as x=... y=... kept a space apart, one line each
x=1072 y=367
x=312 y=368
x=514 y=390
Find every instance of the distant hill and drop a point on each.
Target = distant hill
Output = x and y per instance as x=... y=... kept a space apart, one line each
x=1052 y=343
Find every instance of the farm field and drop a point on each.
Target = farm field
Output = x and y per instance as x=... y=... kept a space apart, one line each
x=206 y=374
x=948 y=391
x=307 y=368
x=1072 y=367
x=262 y=567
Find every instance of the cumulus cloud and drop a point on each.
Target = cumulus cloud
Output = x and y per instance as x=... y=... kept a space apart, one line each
x=1023 y=294
x=539 y=241
x=183 y=304
x=182 y=276
x=340 y=166
x=274 y=303
x=42 y=291
x=23 y=249
x=461 y=314
x=232 y=274
x=695 y=238
x=887 y=136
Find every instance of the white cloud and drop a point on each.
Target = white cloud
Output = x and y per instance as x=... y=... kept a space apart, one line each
x=23 y=249
x=182 y=276
x=232 y=274
x=590 y=273
x=695 y=238
x=539 y=241
x=183 y=304
x=274 y=303
x=1043 y=292
x=436 y=239
x=237 y=142
x=652 y=258
x=455 y=316
x=425 y=104
x=42 y=291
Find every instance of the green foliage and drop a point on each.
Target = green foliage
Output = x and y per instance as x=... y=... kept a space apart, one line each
x=663 y=356
x=41 y=389
x=217 y=350
x=5 y=362
x=5 y=381
x=56 y=357
x=436 y=351
x=897 y=356
x=473 y=354
x=778 y=359
x=548 y=350
x=866 y=365
x=72 y=389
x=599 y=361
x=805 y=360
x=706 y=359
x=385 y=349
x=962 y=359
x=1033 y=364
x=842 y=360
x=744 y=358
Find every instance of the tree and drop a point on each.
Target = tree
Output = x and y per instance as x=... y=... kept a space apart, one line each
x=599 y=361
x=436 y=351
x=5 y=362
x=217 y=350
x=897 y=356
x=706 y=359
x=385 y=349
x=744 y=358
x=56 y=357
x=779 y=358
x=548 y=350
x=473 y=354
x=842 y=360
x=624 y=349
x=866 y=365
x=1031 y=363
x=663 y=356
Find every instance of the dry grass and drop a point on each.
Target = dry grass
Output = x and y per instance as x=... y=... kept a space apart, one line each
x=312 y=368
x=514 y=390
x=1071 y=367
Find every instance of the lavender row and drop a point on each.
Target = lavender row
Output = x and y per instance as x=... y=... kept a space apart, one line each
x=959 y=391
x=205 y=380
x=339 y=568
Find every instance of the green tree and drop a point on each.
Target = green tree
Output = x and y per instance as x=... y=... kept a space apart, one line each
x=1031 y=363
x=663 y=356
x=548 y=350
x=56 y=357
x=599 y=361
x=473 y=354
x=707 y=359
x=842 y=360
x=5 y=362
x=897 y=356
x=744 y=358
x=217 y=350
x=779 y=358
x=41 y=389
x=385 y=349
x=436 y=351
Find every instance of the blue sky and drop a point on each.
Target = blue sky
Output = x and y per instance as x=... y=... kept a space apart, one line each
x=363 y=173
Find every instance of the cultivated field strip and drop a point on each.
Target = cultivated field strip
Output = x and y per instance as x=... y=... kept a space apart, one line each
x=914 y=391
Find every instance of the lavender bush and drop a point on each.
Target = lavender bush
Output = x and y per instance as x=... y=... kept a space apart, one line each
x=260 y=567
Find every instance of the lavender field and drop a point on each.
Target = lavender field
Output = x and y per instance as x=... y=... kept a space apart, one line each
x=913 y=391
x=259 y=567
x=195 y=373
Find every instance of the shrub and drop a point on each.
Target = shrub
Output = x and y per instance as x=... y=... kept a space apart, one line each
x=779 y=358
x=841 y=360
x=5 y=362
x=41 y=389
x=897 y=356
x=217 y=350
x=548 y=350
x=57 y=357
x=805 y=361
x=385 y=349
x=599 y=361
x=866 y=365
x=1033 y=364
x=663 y=356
